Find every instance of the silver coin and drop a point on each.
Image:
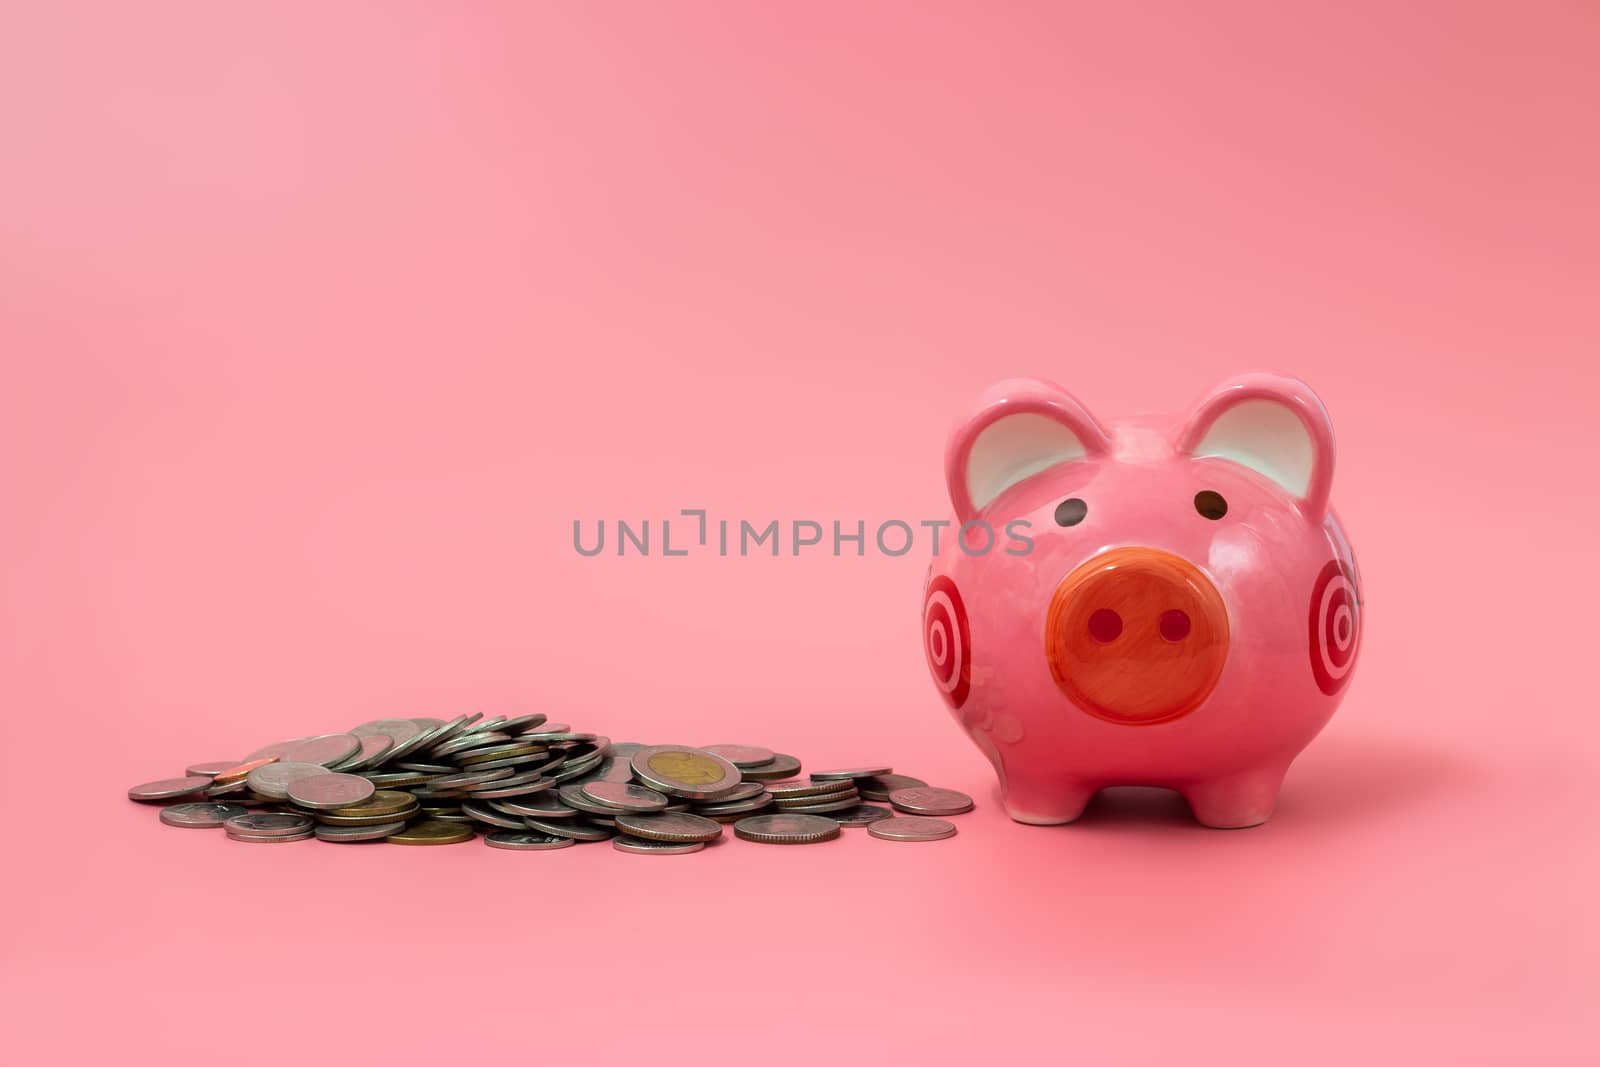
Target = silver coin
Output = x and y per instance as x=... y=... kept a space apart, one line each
x=494 y=722
x=484 y=813
x=785 y=803
x=685 y=772
x=526 y=841
x=912 y=828
x=200 y=816
x=862 y=815
x=851 y=801
x=326 y=750
x=640 y=846
x=743 y=755
x=528 y=760
x=275 y=750
x=880 y=786
x=522 y=722
x=735 y=807
x=742 y=791
x=342 y=834
x=468 y=779
x=803 y=787
x=576 y=830
x=470 y=741
x=786 y=829
x=397 y=730
x=395 y=779
x=850 y=772
x=269 y=824
x=283 y=840
x=227 y=789
x=518 y=785
x=437 y=735
x=324 y=792
x=167 y=788
x=627 y=797
x=539 y=806
x=782 y=766
x=374 y=749
x=273 y=779
x=573 y=796
x=569 y=771
x=928 y=800
x=670 y=826
x=210 y=768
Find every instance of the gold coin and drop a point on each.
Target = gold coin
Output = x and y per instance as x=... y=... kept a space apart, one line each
x=242 y=771
x=433 y=832
x=690 y=768
x=382 y=802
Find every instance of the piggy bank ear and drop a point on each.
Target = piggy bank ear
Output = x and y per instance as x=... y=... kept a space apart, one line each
x=1274 y=425
x=1022 y=426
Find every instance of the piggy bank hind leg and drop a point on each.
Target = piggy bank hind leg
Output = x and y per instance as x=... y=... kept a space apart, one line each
x=1236 y=801
x=1044 y=799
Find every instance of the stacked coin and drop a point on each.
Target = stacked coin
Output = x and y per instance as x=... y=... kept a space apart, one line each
x=533 y=785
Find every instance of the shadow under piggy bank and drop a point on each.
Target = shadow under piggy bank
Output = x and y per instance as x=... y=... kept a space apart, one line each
x=1339 y=781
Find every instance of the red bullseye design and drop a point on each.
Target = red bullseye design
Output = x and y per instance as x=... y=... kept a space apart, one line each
x=947 y=641
x=1335 y=626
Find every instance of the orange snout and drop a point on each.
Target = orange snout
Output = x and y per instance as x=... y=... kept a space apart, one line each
x=1136 y=635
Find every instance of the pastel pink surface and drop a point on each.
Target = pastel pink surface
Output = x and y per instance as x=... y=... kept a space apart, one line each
x=320 y=324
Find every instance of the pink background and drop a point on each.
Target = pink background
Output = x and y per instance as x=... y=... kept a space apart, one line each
x=320 y=323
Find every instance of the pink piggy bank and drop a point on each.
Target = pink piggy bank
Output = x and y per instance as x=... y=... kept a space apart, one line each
x=1145 y=601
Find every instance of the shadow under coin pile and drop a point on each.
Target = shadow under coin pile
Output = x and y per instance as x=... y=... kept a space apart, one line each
x=532 y=785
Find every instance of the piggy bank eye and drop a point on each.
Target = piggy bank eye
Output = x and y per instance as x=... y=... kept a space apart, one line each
x=1210 y=504
x=1071 y=512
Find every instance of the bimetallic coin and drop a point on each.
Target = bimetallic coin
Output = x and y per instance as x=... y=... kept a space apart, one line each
x=927 y=800
x=670 y=826
x=781 y=767
x=344 y=834
x=268 y=824
x=802 y=787
x=880 y=786
x=849 y=772
x=326 y=750
x=329 y=792
x=626 y=797
x=641 y=846
x=786 y=829
x=167 y=788
x=396 y=779
x=685 y=772
x=273 y=779
x=526 y=841
x=210 y=769
x=283 y=839
x=912 y=828
x=743 y=755
x=864 y=815
x=575 y=830
x=200 y=816
x=433 y=832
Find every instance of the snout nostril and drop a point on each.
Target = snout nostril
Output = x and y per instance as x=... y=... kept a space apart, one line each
x=1105 y=625
x=1174 y=625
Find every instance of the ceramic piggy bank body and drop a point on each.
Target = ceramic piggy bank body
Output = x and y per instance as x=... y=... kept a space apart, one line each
x=1146 y=601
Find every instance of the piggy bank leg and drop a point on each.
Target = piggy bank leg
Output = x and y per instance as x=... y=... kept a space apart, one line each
x=1238 y=800
x=1044 y=800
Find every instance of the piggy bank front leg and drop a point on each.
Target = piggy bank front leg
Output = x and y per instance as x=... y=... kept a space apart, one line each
x=1044 y=799
x=1236 y=801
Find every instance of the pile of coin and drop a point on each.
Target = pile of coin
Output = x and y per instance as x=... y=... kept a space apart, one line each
x=532 y=785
